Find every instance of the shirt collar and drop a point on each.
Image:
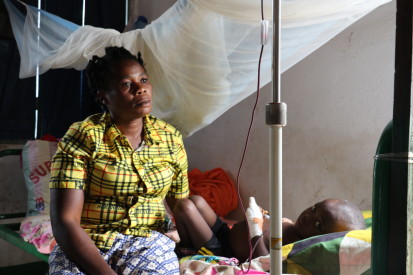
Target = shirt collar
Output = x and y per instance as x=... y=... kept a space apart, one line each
x=111 y=130
x=150 y=135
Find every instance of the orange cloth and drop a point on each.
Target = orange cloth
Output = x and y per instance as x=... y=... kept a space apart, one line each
x=216 y=187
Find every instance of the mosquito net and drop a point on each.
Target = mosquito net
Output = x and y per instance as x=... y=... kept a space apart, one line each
x=202 y=55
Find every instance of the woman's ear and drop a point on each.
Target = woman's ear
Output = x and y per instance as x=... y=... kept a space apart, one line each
x=101 y=97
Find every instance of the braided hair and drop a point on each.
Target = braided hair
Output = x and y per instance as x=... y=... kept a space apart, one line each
x=98 y=68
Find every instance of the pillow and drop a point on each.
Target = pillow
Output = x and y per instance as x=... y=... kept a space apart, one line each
x=37 y=158
x=367 y=214
x=335 y=253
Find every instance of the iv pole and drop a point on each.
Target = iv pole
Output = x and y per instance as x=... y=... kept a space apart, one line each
x=276 y=118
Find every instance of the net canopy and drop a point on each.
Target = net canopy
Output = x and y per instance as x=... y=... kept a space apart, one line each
x=201 y=55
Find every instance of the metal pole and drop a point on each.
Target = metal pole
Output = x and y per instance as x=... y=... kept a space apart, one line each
x=276 y=77
x=126 y=12
x=276 y=199
x=276 y=118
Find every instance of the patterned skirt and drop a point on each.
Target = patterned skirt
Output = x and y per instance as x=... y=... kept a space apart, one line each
x=128 y=255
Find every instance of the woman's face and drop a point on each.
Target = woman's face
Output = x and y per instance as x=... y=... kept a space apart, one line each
x=129 y=92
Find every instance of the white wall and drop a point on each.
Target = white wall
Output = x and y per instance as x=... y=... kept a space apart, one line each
x=339 y=100
x=151 y=9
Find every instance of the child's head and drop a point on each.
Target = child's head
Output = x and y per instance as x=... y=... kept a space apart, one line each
x=331 y=215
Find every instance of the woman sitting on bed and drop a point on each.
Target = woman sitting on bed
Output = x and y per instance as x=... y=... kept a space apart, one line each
x=201 y=229
x=110 y=175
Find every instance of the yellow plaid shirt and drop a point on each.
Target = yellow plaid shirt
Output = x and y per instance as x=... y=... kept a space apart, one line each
x=124 y=188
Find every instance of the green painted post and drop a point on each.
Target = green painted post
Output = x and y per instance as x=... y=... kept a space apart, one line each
x=381 y=182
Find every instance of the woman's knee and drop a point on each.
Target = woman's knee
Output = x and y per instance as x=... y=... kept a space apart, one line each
x=199 y=201
x=184 y=207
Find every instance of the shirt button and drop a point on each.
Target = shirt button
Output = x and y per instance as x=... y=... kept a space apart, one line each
x=130 y=199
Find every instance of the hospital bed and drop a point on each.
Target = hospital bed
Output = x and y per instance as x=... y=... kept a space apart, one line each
x=336 y=253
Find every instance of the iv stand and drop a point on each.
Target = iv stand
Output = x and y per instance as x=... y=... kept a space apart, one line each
x=276 y=118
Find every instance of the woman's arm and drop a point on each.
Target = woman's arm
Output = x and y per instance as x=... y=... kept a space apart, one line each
x=65 y=212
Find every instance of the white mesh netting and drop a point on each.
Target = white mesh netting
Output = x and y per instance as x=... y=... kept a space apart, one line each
x=201 y=55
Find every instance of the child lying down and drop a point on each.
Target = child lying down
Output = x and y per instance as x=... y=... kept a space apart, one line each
x=201 y=229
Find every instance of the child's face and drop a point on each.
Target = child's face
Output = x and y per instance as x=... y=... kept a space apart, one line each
x=322 y=218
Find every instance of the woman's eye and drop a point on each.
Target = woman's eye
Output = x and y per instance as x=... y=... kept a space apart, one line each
x=126 y=85
x=144 y=80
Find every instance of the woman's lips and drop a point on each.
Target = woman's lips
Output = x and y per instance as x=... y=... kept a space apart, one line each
x=142 y=102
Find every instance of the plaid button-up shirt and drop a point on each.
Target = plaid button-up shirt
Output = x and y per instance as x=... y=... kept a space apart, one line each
x=124 y=188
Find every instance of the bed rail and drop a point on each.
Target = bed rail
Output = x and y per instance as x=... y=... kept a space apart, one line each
x=10 y=233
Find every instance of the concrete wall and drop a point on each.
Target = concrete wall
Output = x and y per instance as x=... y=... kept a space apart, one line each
x=339 y=100
x=151 y=9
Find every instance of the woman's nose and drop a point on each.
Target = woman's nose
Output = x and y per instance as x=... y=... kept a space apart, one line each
x=140 y=89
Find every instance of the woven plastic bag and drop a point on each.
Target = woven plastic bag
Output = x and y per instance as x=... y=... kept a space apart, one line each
x=37 y=159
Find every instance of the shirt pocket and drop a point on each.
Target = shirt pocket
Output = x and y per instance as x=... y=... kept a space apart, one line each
x=109 y=174
x=159 y=173
x=104 y=162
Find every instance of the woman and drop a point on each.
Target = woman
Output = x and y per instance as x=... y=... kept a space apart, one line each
x=110 y=175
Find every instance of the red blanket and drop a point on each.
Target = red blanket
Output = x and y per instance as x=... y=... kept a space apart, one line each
x=216 y=187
